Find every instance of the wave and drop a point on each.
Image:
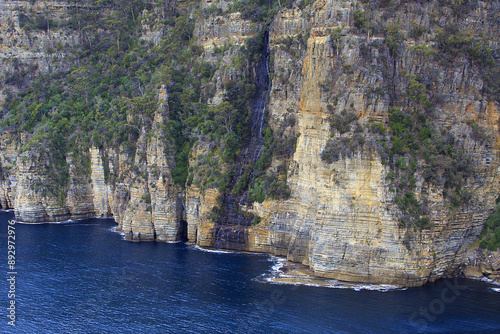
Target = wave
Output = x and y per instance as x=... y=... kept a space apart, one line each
x=39 y=223
x=279 y=264
x=487 y=280
x=113 y=230
x=495 y=289
x=342 y=285
x=276 y=275
x=70 y=221
x=211 y=250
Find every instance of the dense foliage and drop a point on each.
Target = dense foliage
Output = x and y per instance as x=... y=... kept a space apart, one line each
x=411 y=143
x=490 y=238
x=110 y=93
x=109 y=96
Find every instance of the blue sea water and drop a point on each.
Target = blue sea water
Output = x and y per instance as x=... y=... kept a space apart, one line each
x=81 y=277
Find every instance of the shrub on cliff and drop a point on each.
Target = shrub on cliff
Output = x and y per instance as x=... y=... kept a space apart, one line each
x=413 y=148
x=269 y=186
x=342 y=122
x=255 y=10
x=490 y=237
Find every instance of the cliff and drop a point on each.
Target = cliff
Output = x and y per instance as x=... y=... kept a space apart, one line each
x=345 y=224
x=360 y=140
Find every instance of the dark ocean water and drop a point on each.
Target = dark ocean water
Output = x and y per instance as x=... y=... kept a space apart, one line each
x=81 y=277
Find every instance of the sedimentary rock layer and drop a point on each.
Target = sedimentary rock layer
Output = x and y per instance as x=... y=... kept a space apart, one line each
x=342 y=219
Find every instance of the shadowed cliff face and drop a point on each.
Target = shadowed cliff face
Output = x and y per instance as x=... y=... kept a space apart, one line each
x=342 y=219
x=231 y=229
x=352 y=215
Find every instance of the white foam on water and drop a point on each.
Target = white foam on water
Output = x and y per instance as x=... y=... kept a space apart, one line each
x=211 y=250
x=340 y=285
x=278 y=265
x=81 y=225
x=495 y=289
x=113 y=229
x=487 y=280
x=71 y=221
x=276 y=272
x=376 y=287
x=24 y=223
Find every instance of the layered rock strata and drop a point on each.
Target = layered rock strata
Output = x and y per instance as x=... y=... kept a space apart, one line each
x=341 y=219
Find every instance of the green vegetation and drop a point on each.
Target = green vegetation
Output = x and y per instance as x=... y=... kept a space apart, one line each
x=360 y=19
x=342 y=122
x=110 y=93
x=435 y=155
x=41 y=22
x=378 y=128
x=490 y=237
x=255 y=10
x=271 y=184
x=207 y=172
x=336 y=36
x=450 y=45
x=411 y=147
x=393 y=39
x=453 y=44
x=256 y=219
x=347 y=145
x=261 y=10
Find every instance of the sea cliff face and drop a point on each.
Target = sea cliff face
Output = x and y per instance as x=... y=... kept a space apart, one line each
x=341 y=219
x=346 y=217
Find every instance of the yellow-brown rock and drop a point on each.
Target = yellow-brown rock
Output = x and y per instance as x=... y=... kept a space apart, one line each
x=101 y=190
x=148 y=206
x=342 y=219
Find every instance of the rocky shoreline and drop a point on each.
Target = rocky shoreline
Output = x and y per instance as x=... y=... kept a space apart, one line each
x=481 y=264
x=288 y=272
x=342 y=218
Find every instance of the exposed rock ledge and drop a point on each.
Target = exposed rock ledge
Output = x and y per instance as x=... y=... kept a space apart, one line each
x=482 y=263
x=341 y=220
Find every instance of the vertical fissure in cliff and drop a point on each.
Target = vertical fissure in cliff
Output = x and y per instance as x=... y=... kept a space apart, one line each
x=230 y=231
x=182 y=225
x=261 y=78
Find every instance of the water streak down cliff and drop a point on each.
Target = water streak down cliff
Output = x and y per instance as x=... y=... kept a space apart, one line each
x=343 y=218
x=231 y=227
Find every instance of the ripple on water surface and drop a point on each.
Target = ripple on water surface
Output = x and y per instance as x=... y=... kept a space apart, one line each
x=80 y=277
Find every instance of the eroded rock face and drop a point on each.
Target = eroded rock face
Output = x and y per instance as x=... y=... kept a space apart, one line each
x=146 y=203
x=100 y=189
x=143 y=198
x=341 y=218
x=33 y=202
x=36 y=51
x=480 y=264
x=155 y=210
